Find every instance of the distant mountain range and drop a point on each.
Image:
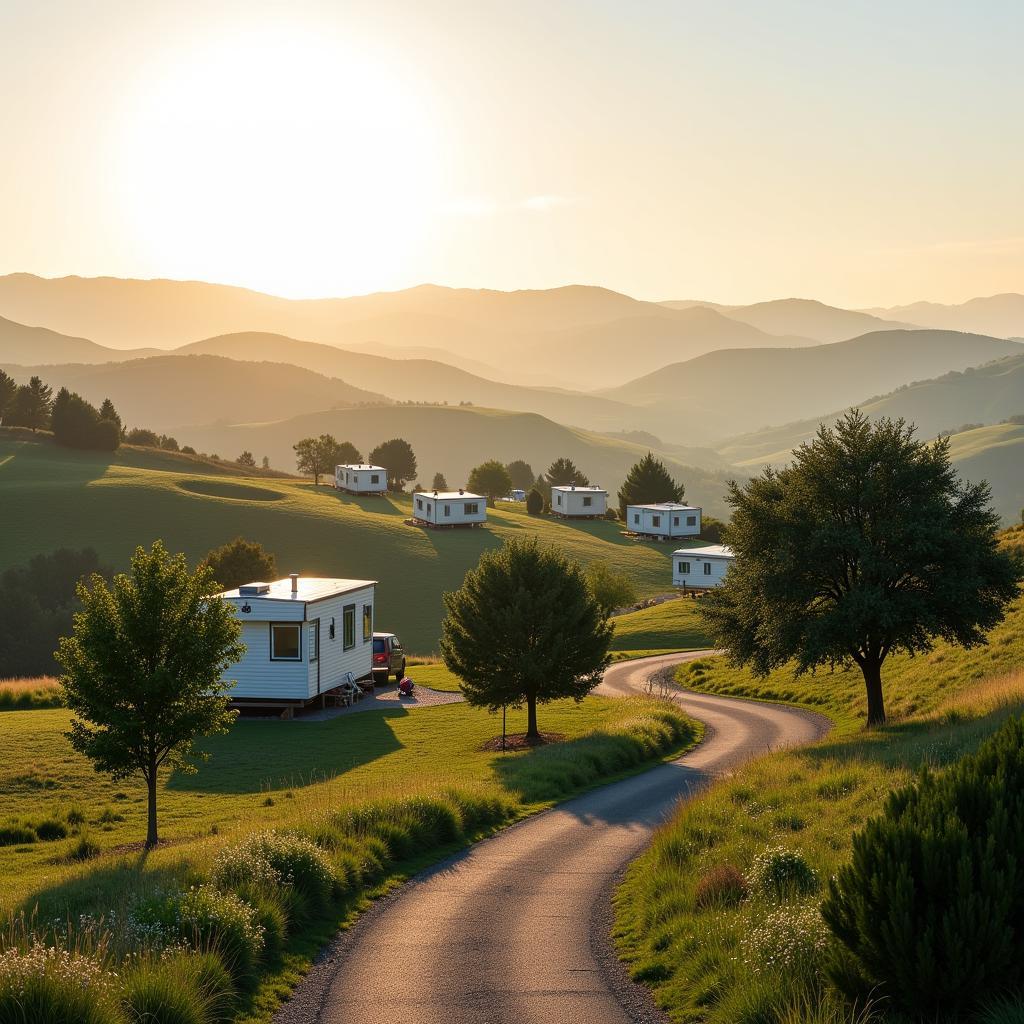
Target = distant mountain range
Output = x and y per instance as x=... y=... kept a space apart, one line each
x=998 y=315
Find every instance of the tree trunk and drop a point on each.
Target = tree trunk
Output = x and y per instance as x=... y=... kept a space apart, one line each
x=532 y=733
x=873 y=682
x=151 y=835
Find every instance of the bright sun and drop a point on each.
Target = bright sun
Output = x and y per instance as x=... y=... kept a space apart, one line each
x=281 y=160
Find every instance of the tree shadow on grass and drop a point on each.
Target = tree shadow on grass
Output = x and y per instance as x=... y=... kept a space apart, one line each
x=262 y=754
x=382 y=505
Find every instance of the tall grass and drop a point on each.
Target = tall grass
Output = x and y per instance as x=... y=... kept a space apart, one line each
x=35 y=692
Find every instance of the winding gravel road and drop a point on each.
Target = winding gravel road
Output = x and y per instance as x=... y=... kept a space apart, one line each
x=515 y=928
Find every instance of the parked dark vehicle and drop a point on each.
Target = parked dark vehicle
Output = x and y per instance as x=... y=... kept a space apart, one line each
x=388 y=657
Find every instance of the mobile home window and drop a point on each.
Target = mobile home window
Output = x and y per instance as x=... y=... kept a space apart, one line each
x=375 y=478
x=447 y=510
x=707 y=568
x=587 y=501
x=655 y=520
x=559 y=499
x=285 y=642
x=348 y=627
x=314 y=641
x=675 y=520
x=636 y=517
x=691 y=520
x=419 y=504
x=367 y=622
x=471 y=508
x=684 y=568
x=428 y=508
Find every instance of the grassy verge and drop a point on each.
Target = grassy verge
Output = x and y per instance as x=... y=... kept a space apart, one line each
x=24 y=694
x=702 y=918
x=363 y=792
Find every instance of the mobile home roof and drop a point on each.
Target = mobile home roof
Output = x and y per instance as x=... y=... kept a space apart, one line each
x=310 y=588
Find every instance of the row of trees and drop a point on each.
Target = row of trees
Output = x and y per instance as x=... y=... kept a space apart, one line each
x=317 y=456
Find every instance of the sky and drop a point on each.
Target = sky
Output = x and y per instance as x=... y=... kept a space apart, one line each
x=860 y=153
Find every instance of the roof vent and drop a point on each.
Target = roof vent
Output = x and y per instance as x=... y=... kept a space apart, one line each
x=254 y=588
x=461 y=491
x=294 y=577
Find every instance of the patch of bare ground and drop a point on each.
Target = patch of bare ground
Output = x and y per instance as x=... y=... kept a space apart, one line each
x=520 y=741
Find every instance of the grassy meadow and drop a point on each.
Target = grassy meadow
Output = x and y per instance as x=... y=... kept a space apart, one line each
x=56 y=497
x=694 y=920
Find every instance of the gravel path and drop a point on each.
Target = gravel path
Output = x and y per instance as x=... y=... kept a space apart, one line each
x=382 y=698
x=515 y=929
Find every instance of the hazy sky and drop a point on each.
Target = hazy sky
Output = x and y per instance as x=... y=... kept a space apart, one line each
x=861 y=153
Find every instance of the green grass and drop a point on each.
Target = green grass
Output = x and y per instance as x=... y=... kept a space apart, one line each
x=670 y=626
x=757 y=960
x=55 y=497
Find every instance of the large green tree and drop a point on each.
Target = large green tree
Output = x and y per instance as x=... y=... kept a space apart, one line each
x=868 y=544
x=563 y=473
x=143 y=669
x=398 y=458
x=240 y=561
x=316 y=456
x=490 y=479
x=524 y=629
x=521 y=474
x=611 y=589
x=76 y=423
x=30 y=406
x=647 y=482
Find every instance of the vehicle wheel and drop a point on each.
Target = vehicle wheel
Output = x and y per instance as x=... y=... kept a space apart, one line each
x=400 y=674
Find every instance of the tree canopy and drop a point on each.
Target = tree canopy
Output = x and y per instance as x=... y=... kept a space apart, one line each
x=246 y=459
x=521 y=474
x=868 y=544
x=563 y=473
x=534 y=502
x=491 y=479
x=30 y=406
x=524 y=629
x=610 y=589
x=8 y=389
x=439 y=484
x=398 y=458
x=143 y=669
x=648 y=482
x=318 y=455
x=78 y=424
x=240 y=561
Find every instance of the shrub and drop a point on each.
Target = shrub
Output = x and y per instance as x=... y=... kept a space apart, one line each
x=272 y=859
x=17 y=834
x=46 y=985
x=931 y=904
x=786 y=940
x=50 y=829
x=84 y=848
x=75 y=815
x=534 y=502
x=204 y=918
x=778 y=872
x=722 y=886
x=181 y=988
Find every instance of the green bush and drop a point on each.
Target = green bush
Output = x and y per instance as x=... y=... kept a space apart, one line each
x=204 y=918
x=84 y=848
x=17 y=834
x=51 y=829
x=722 y=886
x=931 y=906
x=46 y=985
x=183 y=988
x=781 y=873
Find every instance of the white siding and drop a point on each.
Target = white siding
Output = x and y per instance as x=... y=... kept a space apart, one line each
x=335 y=661
x=256 y=676
x=361 y=479
x=567 y=501
x=663 y=522
x=448 y=510
x=705 y=571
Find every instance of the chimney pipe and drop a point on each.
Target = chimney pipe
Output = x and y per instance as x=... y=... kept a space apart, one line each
x=294 y=577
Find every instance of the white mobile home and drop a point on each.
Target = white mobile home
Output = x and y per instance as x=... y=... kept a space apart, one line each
x=358 y=479
x=579 y=502
x=302 y=636
x=701 y=568
x=449 y=508
x=663 y=520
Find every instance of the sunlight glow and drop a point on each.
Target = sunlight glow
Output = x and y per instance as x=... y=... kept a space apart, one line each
x=287 y=161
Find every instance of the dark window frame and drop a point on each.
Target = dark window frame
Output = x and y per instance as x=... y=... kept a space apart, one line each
x=282 y=625
x=684 y=568
x=367 y=633
x=345 y=620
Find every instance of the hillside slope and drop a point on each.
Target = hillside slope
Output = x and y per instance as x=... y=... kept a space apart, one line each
x=20 y=343
x=165 y=392
x=453 y=439
x=136 y=496
x=739 y=390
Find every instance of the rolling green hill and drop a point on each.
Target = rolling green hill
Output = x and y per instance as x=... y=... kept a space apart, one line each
x=55 y=497
x=453 y=439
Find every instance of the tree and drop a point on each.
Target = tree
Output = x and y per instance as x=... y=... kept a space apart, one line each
x=246 y=459
x=712 y=529
x=440 y=484
x=398 y=458
x=610 y=589
x=524 y=628
x=648 y=482
x=142 y=437
x=534 y=502
x=240 y=561
x=316 y=456
x=266 y=462
x=490 y=479
x=31 y=405
x=168 y=443
x=867 y=545
x=521 y=474
x=8 y=389
x=346 y=454
x=108 y=412
x=77 y=424
x=143 y=669
x=563 y=473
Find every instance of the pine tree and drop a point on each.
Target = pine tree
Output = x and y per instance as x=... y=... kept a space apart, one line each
x=8 y=389
x=563 y=473
x=648 y=482
x=31 y=405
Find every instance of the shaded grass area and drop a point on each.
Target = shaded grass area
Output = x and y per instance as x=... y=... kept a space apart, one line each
x=134 y=496
x=912 y=686
x=673 y=625
x=391 y=790
x=748 y=955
